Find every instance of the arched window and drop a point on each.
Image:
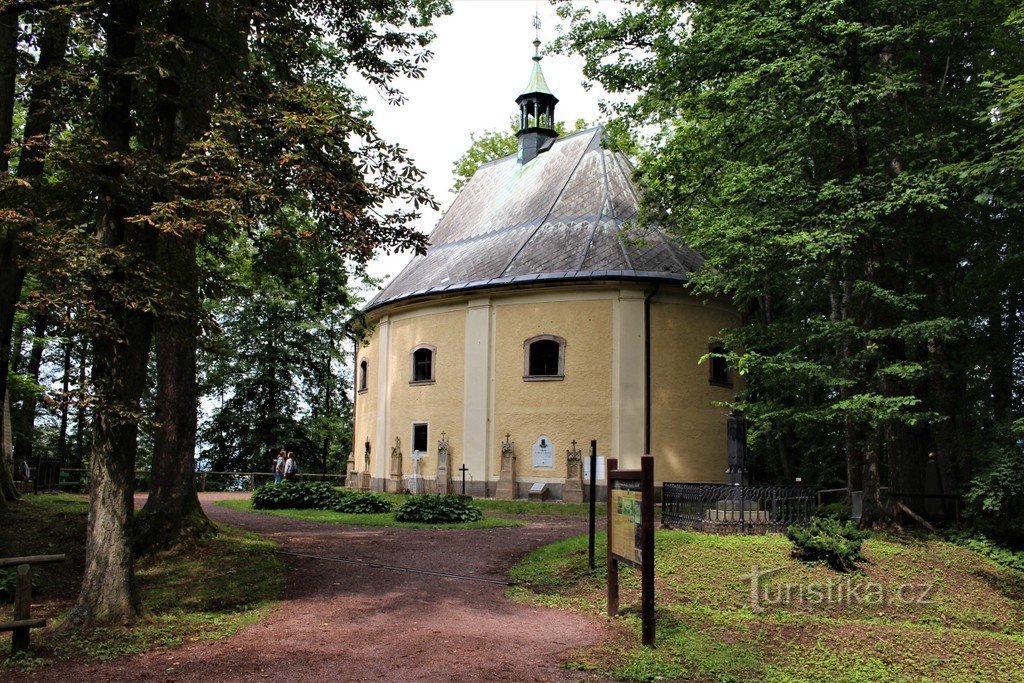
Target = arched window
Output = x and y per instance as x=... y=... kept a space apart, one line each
x=544 y=358
x=364 y=370
x=719 y=374
x=423 y=364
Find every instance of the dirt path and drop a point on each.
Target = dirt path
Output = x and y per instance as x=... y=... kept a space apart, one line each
x=347 y=622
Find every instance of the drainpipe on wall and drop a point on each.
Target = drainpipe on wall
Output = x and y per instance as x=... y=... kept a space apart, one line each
x=647 y=368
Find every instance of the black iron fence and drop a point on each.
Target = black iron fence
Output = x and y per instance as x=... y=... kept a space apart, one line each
x=727 y=509
x=76 y=480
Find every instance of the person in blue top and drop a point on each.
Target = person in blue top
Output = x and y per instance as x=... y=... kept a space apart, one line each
x=279 y=467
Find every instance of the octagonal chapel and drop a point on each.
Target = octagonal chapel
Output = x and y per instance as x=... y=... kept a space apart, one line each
x=539 y=319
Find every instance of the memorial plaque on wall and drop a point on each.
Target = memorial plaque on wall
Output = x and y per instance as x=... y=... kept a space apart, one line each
x=543 y=453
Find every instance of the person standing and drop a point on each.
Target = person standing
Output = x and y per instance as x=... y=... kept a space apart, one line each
x=279 y=467
x=290 y=468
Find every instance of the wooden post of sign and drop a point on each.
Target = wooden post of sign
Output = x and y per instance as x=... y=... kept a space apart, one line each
x=645 y=478
x=613 y=565
x=647 y=548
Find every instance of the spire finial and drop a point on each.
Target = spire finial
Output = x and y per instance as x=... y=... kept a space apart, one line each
x=536 y=36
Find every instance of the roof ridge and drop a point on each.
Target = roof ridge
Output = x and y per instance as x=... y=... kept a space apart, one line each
x=605 y=202
x=547 y=215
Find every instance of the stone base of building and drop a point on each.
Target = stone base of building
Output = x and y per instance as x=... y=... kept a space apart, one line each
x=489 y=489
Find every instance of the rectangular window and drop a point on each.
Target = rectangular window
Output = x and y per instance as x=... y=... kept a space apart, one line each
x=419 y=437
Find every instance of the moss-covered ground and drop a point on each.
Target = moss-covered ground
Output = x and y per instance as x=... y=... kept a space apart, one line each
x=919 y=609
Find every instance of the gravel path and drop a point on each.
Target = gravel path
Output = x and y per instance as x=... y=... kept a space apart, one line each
x=353 y=622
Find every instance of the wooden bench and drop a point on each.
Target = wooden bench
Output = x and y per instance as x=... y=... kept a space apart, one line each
x=23 y=620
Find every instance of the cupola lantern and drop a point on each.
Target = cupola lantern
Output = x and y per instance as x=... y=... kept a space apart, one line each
x=536 y=112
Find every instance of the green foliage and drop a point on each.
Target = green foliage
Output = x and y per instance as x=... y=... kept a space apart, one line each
x=438 y=510
x=304 y=496
x=1007 y=557
x=362 y=503
x=828 y=539
x=382 y=519
x=851 y=174
x=317 y=496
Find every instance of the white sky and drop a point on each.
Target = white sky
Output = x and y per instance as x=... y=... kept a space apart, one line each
x=481 y=64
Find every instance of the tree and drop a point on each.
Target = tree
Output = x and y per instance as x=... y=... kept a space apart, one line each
x=272 y=370
x=185 y=123
x=494 y=144
x=803 y=149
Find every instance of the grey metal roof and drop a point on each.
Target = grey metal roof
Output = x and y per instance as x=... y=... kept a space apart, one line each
x=567 y=215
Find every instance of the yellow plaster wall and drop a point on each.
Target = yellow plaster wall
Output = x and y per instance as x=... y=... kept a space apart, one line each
x=688 y=437
x=366 y=406
x=577 y=407
x=438 y=404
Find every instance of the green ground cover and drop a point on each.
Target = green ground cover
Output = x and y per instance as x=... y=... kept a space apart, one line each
x=379 y=519
x=204 y=590
x=917 y=609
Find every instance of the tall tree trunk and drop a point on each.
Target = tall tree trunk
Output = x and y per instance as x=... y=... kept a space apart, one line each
x=873 y=513
x=62 y=438
x=38 y=121
x=109 y=594
x=8 y=76
x=25 y=416
x=80 y=411
x=172 y=511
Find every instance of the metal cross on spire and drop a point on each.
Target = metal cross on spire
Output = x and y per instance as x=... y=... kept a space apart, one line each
x=536 y=35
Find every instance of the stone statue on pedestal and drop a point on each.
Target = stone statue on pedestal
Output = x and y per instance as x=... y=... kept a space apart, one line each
x=396 y=466
x=507 y=478
x=572 y=490
x=442 y=484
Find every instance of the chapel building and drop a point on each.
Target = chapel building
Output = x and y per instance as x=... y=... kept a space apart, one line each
x=540 y=316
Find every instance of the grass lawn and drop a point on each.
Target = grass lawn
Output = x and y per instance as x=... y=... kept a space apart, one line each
x=878 y=624
x=380 y=519
x=207 y=589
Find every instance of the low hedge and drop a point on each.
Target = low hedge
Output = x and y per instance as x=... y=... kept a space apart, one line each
x=449 y=509
x=362 y=502
x=316 y=496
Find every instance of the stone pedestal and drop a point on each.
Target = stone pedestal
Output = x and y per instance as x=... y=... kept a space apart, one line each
x=365 y=481
x=572 y=490
x=538 y=492
x=416 y=484
x=351 y=476
x=507 y=478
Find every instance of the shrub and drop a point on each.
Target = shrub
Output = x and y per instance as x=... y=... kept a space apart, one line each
x=288 y=495
x=450 y=509
x=826 y=538
x=362 y=502
x=1007 y=557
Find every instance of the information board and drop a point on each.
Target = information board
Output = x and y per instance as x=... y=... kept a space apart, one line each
x=626 y=521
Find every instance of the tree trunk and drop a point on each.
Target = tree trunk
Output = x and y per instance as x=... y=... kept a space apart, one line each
x=109 y=594
x=873 y=513
x=7 y=490
x=25 y=416
x=39 y=119
x=62 y=438
x=172 y=511
x=8 y=75
x=80 y=412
